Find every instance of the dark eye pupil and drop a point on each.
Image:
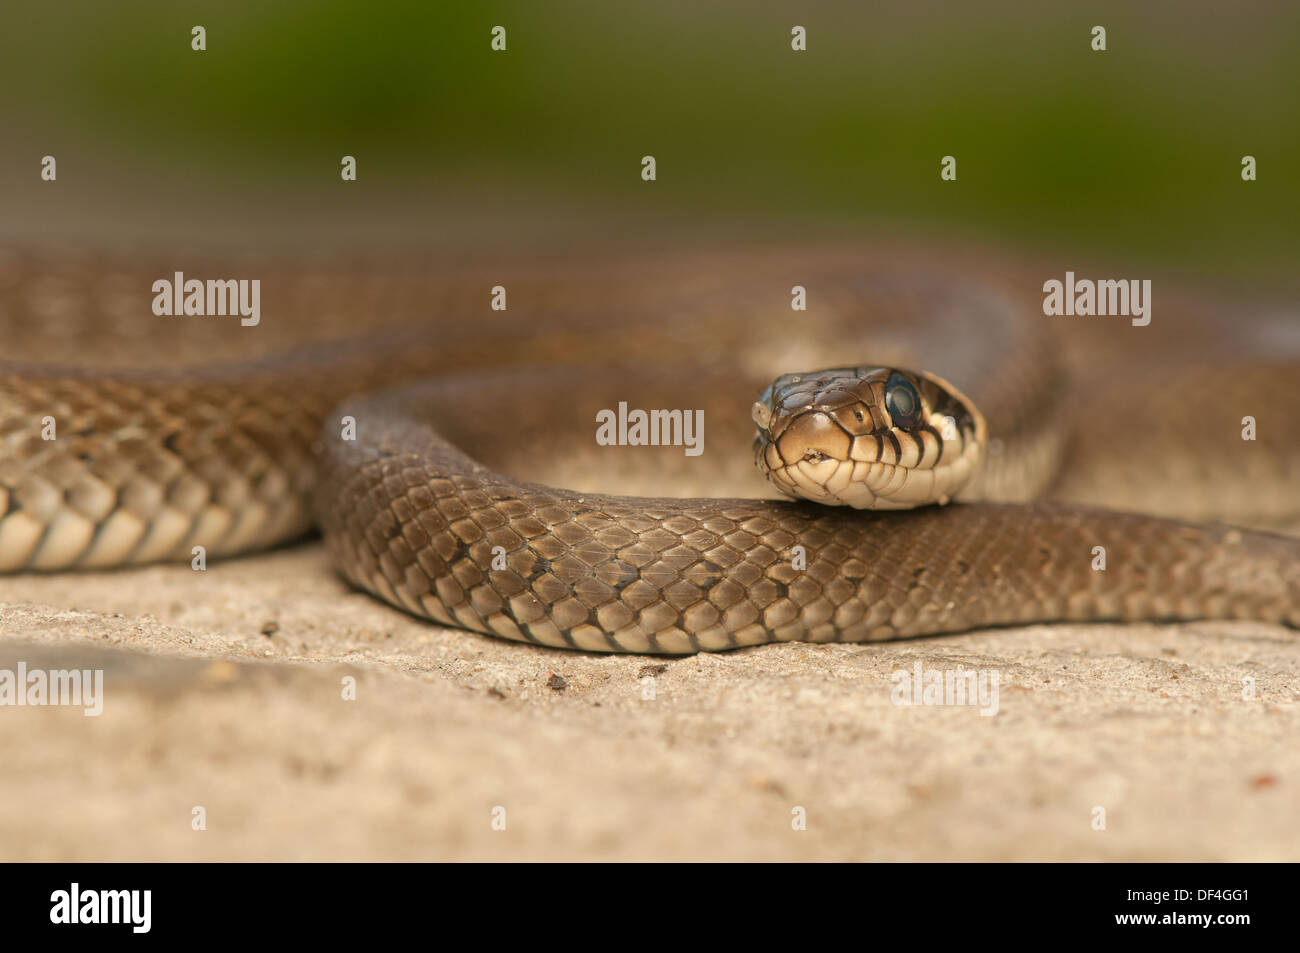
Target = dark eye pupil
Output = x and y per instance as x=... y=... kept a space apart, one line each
x=901 y=401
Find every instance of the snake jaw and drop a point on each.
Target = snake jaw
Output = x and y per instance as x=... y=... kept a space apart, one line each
x=867 y=437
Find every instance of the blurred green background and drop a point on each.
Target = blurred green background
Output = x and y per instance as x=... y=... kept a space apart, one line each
x=1135 y=151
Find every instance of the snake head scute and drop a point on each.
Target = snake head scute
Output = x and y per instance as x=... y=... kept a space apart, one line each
x=867 y=437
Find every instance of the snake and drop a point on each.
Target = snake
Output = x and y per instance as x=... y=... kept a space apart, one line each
x=887 y=447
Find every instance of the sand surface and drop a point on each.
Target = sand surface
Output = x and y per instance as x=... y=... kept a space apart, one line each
x=453 y=735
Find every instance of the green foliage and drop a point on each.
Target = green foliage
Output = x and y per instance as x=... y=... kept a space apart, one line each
x=1135 y=150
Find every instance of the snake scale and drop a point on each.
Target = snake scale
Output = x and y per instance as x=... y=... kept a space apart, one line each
x=424 y=433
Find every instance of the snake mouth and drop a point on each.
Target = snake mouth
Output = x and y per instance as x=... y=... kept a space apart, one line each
x=867 y=437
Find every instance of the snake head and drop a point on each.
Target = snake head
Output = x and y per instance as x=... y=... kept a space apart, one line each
x=867 y=437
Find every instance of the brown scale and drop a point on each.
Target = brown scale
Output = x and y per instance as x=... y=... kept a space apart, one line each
x=175 y=432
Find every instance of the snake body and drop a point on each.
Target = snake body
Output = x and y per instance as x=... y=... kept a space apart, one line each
x=438 y=495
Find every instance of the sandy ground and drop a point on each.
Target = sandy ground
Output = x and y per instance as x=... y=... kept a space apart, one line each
x=452 y=735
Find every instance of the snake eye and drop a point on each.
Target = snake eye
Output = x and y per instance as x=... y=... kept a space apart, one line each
x=902 y=401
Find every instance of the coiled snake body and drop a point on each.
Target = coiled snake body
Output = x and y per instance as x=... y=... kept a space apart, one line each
x=242 y=443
